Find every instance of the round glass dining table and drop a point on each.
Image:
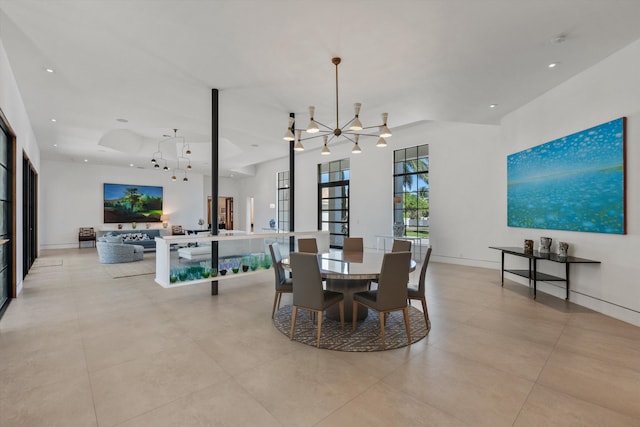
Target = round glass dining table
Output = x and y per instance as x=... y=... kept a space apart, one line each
x=348 y=273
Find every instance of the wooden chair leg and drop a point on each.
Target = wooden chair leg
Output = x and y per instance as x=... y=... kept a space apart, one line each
x=405 y=311
x=355 y=315
x=275 y=301
x=319 y=327
x=293 y=320
x=382 y=316
x=279 y=299
x=341 y=307
x=425 y=311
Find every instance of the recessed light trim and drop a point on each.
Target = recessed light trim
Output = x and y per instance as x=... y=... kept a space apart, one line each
x=493 y=105
x=86 y=160
x=53 y=120
x=553 y=65
x=49 y=70
x=122 y=120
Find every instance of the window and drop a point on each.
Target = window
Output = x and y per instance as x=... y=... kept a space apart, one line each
x=333 y=200
x=283 y=201
x=411 y=190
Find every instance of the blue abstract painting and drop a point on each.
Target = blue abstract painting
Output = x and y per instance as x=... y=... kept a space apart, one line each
x=573 y=183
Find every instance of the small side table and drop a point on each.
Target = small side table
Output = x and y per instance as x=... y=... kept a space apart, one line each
x=532 y=273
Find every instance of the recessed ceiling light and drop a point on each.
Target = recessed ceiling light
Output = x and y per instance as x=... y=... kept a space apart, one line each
x=255 y=145
x=86 y=160
x=122 y=120
x=49 y=70
x=55 y=145
x=53 y=120
x=131 y=164
x=493 y=105
x=553 y=65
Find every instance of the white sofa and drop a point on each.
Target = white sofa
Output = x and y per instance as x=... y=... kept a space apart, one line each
x=114 y=253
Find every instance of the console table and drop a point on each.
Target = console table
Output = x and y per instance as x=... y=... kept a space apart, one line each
x=532 y=273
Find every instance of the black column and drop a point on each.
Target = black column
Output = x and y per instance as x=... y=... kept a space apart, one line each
x=292 y=186
x=215 y=127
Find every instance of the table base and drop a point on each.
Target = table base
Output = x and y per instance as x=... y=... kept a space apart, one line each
x=347 y=288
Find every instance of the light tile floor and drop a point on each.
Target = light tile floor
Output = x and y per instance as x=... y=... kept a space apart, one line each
x=79 y=348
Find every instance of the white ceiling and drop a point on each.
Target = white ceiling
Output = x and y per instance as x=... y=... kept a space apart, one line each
x=154 y=63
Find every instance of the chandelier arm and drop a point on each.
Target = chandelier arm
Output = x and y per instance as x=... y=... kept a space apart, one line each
x=346 y=136
x=323 y=125
x=347 y=124
x=361 y=134
x=311 y=137
x=372 y=127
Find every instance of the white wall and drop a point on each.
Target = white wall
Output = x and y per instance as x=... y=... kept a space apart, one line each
x=72 y=197
x=13 y=108
x=606 y=91
x=463 y=173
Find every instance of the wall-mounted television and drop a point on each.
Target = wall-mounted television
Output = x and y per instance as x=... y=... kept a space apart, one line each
x=132 y=203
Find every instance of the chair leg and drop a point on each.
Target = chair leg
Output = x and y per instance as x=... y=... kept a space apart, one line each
x=355 y=314
x=341 y=306
x=425 y=311
x=275 y=301
x=382 y=316
x=279 y=299
x=293 y=320
x=319 y=327
x=405 y=311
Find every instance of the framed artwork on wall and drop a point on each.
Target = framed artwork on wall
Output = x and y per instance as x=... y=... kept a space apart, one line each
x=574 y=183
x=132 y=203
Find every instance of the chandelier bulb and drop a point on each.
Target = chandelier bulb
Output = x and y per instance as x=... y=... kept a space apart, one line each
x=153 y=160
x=188 y=152
x=185 y=179
x=157 y=166
x=288 y=135
x=165 y=168
x=356 y=149
x=298 y=146
x=173 y=178
x=381 y=142
x=325 y=149
x=189 y=166
x=313 y=126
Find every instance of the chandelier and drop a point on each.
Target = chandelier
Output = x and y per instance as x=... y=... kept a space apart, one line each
x=158 y=157
x=352 y=130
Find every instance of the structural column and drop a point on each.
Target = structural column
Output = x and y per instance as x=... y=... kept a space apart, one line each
x=292 y=187
x=215 y=145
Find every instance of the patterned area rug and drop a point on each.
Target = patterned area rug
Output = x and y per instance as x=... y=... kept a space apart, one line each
x=366 y=337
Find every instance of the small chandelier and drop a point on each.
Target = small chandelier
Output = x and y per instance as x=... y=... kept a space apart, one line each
x=158 y=157
x=352 y=130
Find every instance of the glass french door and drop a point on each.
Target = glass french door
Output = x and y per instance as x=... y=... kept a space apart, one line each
x=6 y=216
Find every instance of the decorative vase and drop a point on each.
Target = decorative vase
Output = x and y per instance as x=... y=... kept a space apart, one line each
x=119 y=226
x=134 y=225
x=272 y=223
x=399 y=229
x=545 y=244
x=528 y=246
x=563 y=248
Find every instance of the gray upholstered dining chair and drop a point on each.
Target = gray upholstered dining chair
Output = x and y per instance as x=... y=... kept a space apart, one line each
x=401 y=246
x=308 y=293
x=391 y=294
x=308 y=246
x=418 y=293
x=284 y=284
x=353 y=244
